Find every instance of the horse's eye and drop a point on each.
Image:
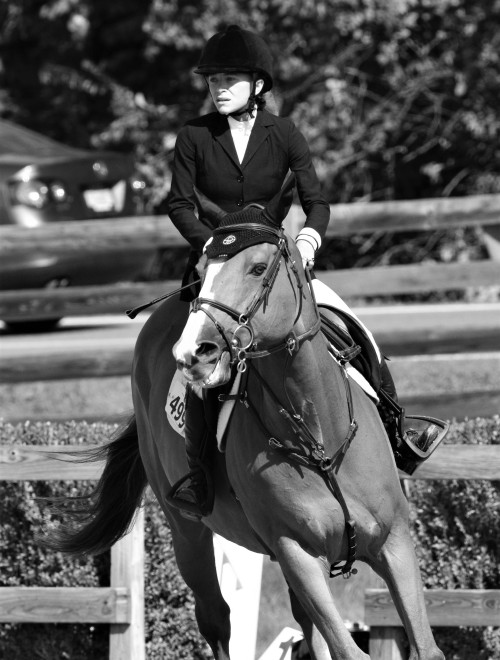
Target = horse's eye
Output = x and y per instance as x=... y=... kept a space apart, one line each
x=258 y=270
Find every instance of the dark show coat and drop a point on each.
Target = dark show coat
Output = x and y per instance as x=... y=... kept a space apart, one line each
x=205 y=156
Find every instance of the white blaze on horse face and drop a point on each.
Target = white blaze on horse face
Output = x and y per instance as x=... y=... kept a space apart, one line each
x=212 y=270
x=187 y=346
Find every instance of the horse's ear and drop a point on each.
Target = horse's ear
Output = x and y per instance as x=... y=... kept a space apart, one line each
x=210 y=213
x=279 y=206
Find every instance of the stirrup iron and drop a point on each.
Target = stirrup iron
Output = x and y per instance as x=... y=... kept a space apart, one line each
x=193 y=510
x=414 y=445
x=421 y=443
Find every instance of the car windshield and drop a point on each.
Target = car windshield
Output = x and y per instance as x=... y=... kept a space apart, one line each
x=18 y=141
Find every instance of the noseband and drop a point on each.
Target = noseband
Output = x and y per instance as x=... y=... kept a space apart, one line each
x=241 y=352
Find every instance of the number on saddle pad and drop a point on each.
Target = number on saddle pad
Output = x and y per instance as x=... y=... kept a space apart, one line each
x=176 y=403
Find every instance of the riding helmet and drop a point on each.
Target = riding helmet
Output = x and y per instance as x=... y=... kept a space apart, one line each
x=237 y=50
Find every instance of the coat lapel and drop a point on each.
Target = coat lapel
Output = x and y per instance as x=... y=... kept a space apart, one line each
x=259 y=133
x=222 y=134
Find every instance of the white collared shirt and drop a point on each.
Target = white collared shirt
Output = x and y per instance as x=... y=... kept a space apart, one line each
x=240 y=132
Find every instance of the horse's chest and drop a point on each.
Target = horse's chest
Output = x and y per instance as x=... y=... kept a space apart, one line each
x=260 y=474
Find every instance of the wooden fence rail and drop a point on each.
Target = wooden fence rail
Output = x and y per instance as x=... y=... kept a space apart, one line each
x=356 y=218
x=445 y=607
x=121 y=604
x=400 y=331
x=350 y=283
x=150 y=232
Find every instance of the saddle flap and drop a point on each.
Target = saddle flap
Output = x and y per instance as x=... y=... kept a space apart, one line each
x=350 y=338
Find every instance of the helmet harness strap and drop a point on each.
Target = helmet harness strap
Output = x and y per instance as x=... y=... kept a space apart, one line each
x=250 y=106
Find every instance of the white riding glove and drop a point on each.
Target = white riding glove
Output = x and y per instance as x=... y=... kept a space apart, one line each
x=306 y=252
x=308 y=241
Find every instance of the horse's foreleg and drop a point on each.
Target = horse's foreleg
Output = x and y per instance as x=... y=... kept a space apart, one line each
x=306 y=577
x=194 y=553
x=318 y=648
x=397 y=565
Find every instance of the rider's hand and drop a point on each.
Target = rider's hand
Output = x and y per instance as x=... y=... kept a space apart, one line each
x=308 y=241
x=202 y=265
x=307 y=251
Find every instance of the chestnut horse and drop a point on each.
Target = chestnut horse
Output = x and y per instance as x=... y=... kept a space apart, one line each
x=305 y=473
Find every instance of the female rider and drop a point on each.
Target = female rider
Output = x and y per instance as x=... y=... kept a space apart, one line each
x=236 y=156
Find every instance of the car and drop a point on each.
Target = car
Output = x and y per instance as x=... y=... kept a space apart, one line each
x=43 y=181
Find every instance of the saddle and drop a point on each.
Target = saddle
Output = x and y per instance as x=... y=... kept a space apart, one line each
x=349 y=339
x=411 y=445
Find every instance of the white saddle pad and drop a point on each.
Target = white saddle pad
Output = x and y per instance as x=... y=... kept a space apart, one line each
x=328 y=298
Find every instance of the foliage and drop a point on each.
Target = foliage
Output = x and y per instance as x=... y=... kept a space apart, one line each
x=457 y=537
x=397 y=99
x=171 y=633
x=454 y=527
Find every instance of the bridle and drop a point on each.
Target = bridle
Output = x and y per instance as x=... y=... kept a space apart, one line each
x=242 y=352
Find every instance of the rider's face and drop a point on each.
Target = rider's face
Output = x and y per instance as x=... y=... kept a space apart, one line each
x=231 y=91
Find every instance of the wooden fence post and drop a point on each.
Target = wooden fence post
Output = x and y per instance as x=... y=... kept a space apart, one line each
x=126 y=641
x=386 y=643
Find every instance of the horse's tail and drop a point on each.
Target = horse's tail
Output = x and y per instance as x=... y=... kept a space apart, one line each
x=107 y=513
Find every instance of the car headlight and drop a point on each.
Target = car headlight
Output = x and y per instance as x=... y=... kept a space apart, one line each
x=58 y=192
x=37 y=194
x=30 y=193
x=137 y=184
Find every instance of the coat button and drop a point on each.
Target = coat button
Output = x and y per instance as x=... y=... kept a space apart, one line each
x=240 y=179
x=239 y=202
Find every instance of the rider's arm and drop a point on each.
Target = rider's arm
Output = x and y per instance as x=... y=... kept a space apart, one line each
x=180 y=200
x=313 y=203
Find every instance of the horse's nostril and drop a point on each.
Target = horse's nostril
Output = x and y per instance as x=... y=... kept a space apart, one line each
x=205 y=348
x=183 y=364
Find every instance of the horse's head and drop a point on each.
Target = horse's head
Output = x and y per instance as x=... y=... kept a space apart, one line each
x=251 y=296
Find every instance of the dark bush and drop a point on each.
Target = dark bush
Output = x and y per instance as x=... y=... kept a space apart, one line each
x=171 y=632
x=455 y=526
x=457 y=536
